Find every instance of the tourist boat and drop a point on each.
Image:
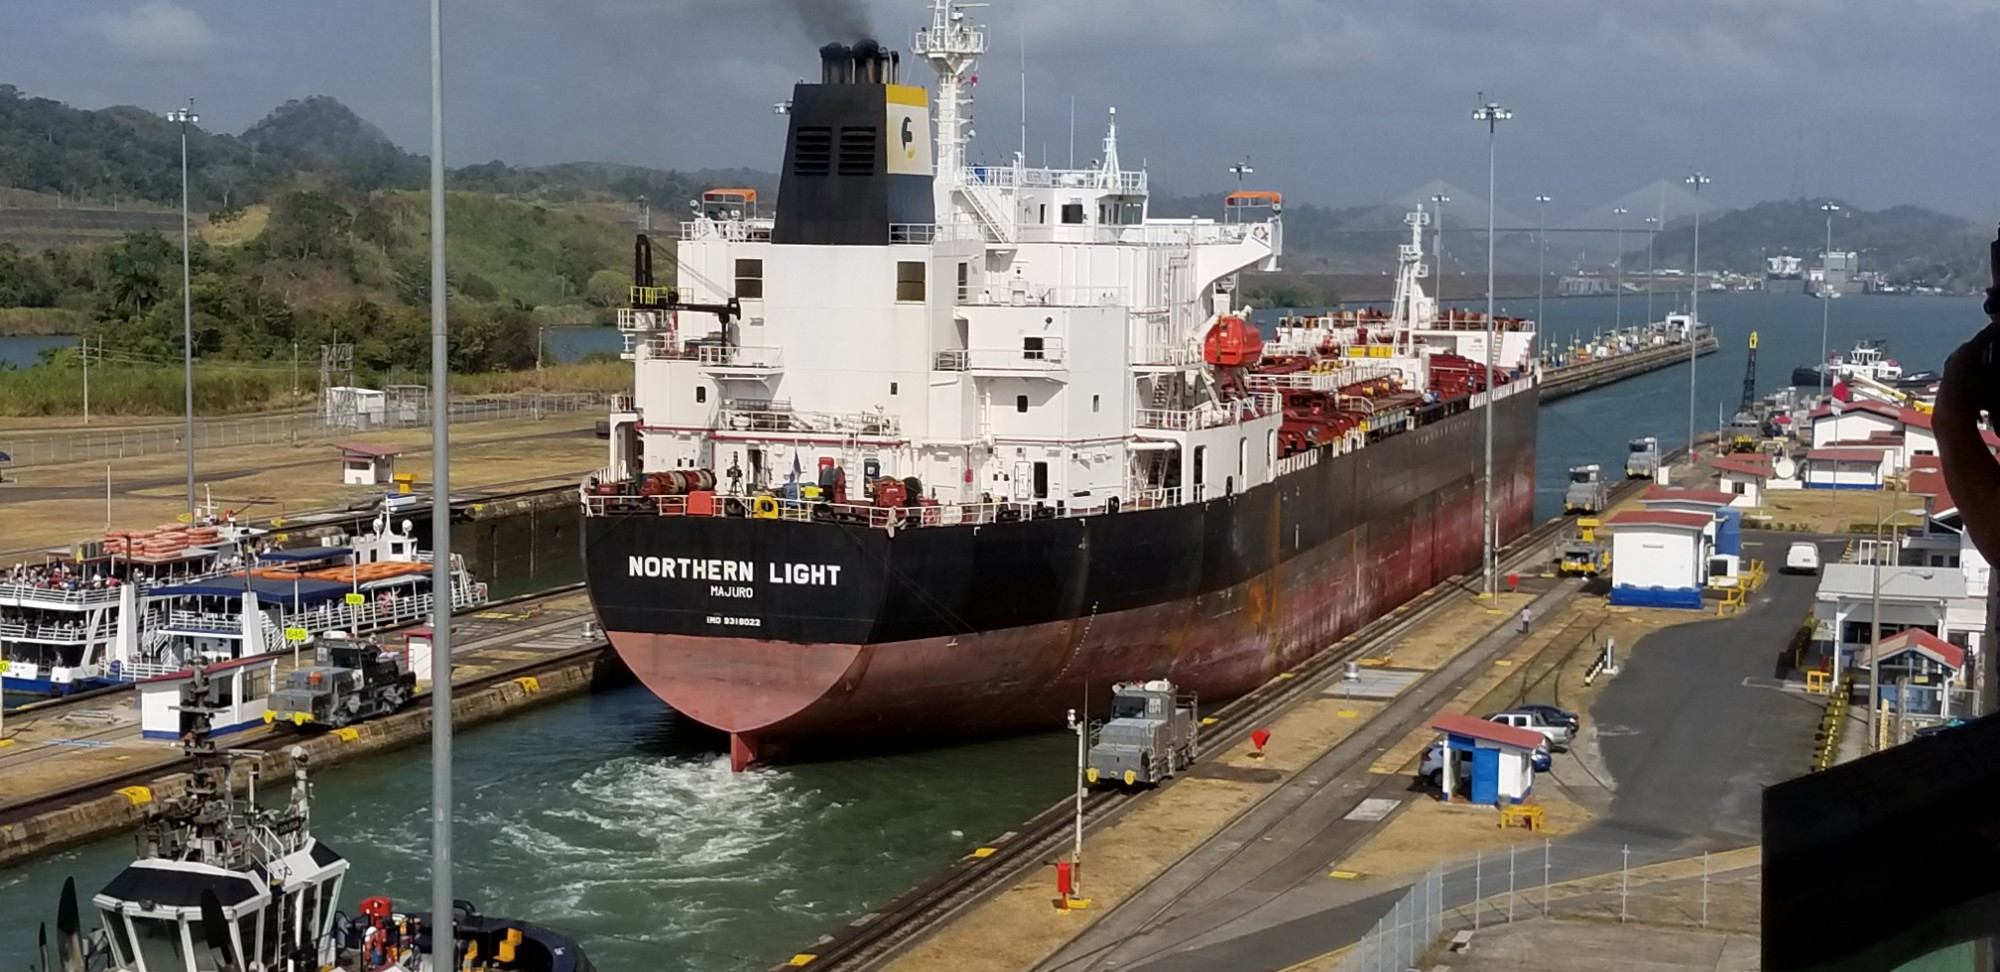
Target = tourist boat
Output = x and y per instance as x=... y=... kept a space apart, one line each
x=228 y=884
x=143 y=603
x=950 y=449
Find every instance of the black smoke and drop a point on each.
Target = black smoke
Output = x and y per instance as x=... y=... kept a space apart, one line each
x=820 y=21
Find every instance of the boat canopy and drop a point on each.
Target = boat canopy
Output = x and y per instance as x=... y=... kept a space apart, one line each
x=304 y=554
x=291 y=593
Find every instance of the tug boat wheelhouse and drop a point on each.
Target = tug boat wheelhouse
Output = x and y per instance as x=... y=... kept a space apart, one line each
x=949 y=448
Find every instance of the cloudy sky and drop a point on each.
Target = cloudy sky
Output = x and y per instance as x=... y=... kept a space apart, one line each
x=1338 y=102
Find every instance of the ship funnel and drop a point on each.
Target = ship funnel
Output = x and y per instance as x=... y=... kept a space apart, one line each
x=870 y=63
x=835 y=63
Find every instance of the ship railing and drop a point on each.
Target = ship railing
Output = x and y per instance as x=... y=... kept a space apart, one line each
x=31 y=595
x=377 y=613
x=63 y=633
x=732 y=230
x=1019 y=292
x=934 y=232
x=1152 y=498
x=739 y=356
x=640 y=320
x=1208 y=416
x=1191 y=233
x=1177 y=355
x=951 y=360
x=769 y=418
x=207 y=621
x=622 y=402
x=1049 y=357
x=1126 y=183
x=134 y=671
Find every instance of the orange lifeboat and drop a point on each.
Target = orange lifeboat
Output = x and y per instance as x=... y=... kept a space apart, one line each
x=1232 y=343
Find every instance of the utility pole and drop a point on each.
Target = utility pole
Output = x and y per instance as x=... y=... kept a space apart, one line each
x=1437 y=242
x=1542 y=254
x=441 y=580
x=83 y=344
x=540 y=390
x=1697 y=180
x=1618 y=288
x=186 y=116
x=1492 y=114
x=1082 y=729
x=1652 y=234
x=1825 y=303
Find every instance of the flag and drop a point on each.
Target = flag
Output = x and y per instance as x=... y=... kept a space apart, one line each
x=797 y=470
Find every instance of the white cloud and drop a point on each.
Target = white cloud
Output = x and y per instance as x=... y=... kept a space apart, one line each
x=156 y=28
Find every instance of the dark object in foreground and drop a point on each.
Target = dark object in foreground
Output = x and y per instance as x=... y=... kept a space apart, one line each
x=1829 y=850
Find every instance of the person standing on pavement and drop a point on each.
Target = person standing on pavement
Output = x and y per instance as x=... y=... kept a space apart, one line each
x=1527 y=619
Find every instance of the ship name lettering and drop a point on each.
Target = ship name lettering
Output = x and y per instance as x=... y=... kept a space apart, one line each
x=739 y=591
x=685 y=568
x=813 y=575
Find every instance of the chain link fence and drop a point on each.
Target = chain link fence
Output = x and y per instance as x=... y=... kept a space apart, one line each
x=84 y=444
x=1617 y=883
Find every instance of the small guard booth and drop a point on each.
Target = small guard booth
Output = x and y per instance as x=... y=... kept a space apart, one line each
x=366 y=464
x=238 y=692
x=1502 y=758
x=1919 y=670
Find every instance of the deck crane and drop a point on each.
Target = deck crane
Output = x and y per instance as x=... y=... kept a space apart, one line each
x=1750 y=376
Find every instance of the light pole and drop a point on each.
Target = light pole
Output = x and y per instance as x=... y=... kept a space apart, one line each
x=1825 y=305
x=1875 y=614
x=1697 y=180
x=1437 y=242
x=1082 y=730
x=186 y=117
x=1652 y=234
x=1542 y=253
x=441 y=586
x=1618 y=288
x=1492 y=114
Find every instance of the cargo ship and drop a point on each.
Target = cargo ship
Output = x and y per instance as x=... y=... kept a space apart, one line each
x=943 y=448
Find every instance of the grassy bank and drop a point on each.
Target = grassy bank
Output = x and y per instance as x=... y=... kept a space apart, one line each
x=223 y=387
x=40 y=321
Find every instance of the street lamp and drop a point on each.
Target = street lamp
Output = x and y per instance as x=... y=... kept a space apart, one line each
x=1618 y=289
x=1082 y=730
x=1652 y=234
x=1542 y=254
x=441 y=580
x=1697 y=180
x=1492 y=114
x=1825 y=305
x=1437 y=240
x=185 y=117
x=1875 y=616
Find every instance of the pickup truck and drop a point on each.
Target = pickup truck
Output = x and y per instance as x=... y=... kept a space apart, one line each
x=1559 y=734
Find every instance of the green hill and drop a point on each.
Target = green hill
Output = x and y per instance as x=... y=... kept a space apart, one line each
x=1907 y=243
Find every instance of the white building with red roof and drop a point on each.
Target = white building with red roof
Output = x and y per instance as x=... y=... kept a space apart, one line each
x=1846 y=467
x=1501 y=758
x=1745 y=477
x=1919 y=672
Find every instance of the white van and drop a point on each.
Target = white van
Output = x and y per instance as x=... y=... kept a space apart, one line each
x=1803 y=558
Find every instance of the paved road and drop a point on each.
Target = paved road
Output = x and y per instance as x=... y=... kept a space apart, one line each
x=1695 y=726
x=1688 y=735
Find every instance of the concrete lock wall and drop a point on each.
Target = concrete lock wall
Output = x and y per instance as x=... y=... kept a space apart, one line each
x=94 y=817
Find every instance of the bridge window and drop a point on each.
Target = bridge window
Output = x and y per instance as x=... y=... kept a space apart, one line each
x=700 y=394
x=750 y=280
x=1031 y=349
x=1072 y=213
x=909 y=280
x=1020 y=403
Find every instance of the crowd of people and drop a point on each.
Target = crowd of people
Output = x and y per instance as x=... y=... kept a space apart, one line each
x=57 y=576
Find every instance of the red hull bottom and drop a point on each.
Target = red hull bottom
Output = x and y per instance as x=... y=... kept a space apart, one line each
x=1222 y=644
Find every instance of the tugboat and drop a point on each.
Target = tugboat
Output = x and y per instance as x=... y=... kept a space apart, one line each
x=1868 y=359
x=223 y=884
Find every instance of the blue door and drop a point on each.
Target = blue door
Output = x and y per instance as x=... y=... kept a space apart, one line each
x=1485 y=775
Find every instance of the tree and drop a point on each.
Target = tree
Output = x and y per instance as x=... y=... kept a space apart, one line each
x=608 y=288
x=307 y=224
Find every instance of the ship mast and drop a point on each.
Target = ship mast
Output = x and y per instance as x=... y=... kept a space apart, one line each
x=952 y=47
x=1412 y=309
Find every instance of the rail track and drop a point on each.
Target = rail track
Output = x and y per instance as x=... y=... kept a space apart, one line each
x=142 y=775
x=880 y=933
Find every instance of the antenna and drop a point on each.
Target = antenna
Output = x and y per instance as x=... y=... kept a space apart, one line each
x=1024 y=93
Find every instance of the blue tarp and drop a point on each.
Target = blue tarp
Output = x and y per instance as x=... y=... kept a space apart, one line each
x=1729 y=531
x=303 y=554
x=288 y=593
